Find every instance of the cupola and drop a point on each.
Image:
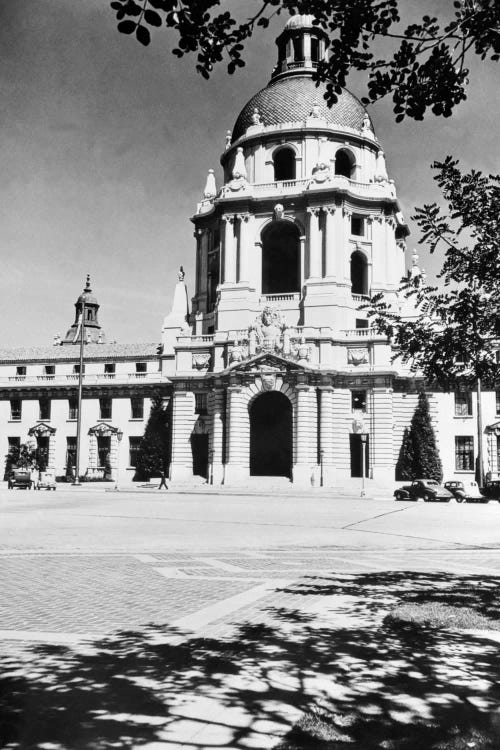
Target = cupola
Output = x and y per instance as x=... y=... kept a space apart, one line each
x=301 y=46
x=92 y=332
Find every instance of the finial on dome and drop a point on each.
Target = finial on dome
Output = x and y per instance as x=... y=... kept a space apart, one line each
x=415 y=272
x=256 y=117
x=181 y=274
x=87 y=285
x=210 y=186
x=228 y=138
x=380 y=168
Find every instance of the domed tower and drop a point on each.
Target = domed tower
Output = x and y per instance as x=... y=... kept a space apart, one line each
x=307 y=218
x=93 y=333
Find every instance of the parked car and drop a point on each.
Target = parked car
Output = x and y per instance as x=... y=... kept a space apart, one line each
x=47 y=481
x=427 y=489
x=465 y=492
x=491 y=489
x=20 y=478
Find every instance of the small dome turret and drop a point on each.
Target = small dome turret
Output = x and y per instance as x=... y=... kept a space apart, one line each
x=89 y=306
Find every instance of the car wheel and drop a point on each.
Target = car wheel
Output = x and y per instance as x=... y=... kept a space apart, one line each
x=399 y=496
x=460 y=498
x=426 y=497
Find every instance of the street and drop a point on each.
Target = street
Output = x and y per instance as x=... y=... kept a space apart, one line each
x=149 y=568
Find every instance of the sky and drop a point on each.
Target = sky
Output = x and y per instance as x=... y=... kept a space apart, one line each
x=104 y=150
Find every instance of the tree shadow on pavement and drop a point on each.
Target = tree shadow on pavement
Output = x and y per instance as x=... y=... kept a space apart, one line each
x=372 y=683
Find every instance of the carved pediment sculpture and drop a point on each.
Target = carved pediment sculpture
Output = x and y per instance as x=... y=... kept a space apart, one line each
x=266 y=334
x=41 y=430
x=103 y=430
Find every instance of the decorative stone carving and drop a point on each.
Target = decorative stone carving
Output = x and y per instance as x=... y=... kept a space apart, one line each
x=228 y=138
x=180 y=274
x=278 y=212
x=321 y=172
x=200 y=360
x=268 y=327
x=268 y=380
x=358 y=356
x=103 y=430
x=210 y=190
x=366 y=126
x=57 y=339
x=301 y=351
x=315 y=110
x=358 y=426
x=256 y=117
x=41 y=430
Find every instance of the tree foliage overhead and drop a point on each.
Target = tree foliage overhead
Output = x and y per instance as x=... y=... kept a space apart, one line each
x=454 y=330
x=426 y=69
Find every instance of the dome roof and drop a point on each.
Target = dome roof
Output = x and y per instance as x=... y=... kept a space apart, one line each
x=291 y=98
x=301 y=22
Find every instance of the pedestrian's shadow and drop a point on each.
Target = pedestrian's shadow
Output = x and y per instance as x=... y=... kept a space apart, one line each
x=372 y=685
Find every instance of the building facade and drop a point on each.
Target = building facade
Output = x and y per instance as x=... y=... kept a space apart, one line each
x=271 y=369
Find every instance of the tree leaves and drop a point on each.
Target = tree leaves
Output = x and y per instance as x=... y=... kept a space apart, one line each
x=426 y=70
x=453 y=335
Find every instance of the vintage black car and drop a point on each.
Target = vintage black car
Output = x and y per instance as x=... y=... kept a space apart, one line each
x=426 y=489
x=465 y=492
x=491 y=490
x=20 y=478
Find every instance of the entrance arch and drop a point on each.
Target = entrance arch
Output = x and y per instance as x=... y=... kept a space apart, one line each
x=271 y=435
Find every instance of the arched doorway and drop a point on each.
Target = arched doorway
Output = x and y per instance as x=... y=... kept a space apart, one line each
x=280 y=258
x=271 y=436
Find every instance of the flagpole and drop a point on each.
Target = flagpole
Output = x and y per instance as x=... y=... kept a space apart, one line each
x=76 y=481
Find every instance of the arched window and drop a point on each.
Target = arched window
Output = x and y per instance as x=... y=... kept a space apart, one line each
x=298 y=48
x=359 y=273
x=280 y=258
x=344 y=163
x=314 y=49
x=89 y=314
x=284 y=164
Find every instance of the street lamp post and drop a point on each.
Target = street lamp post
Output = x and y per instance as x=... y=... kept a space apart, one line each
x=321 y=459
x=364 y=438
x=76 y=481
x=210 y=467
x=119 y=436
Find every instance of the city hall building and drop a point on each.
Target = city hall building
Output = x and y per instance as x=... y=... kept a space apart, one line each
x=270 y=369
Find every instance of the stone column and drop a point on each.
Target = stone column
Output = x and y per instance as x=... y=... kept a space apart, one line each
x=229 y=251
x=326 y=427
x=314 y=244
x=183 y=419
x=381 y=436
x=331 y=249
x=246 y=222
x=216 y=437
x=51 y=458
x=305 y=436
x=342 y=422
x=238 y=437
x=345 y=232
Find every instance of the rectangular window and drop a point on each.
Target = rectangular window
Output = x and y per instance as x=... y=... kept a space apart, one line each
x=109 y=368
x=21 y=371
x=141 y=367
x=464 y=453
x=200 y=403
x=358 y=400
x=463 y=404
x=105 y=408
x=14 y=442
x=361 y=323
x=137 y=408
x=44 y=409
x=357 y=226
x=76 y=369
x=497 y=402
x=73 y=408
x=70 y=452
x=49 y=369
x=16 y=409
x=134 y=445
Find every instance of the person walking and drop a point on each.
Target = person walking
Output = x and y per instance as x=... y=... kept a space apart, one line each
x=163 y=481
